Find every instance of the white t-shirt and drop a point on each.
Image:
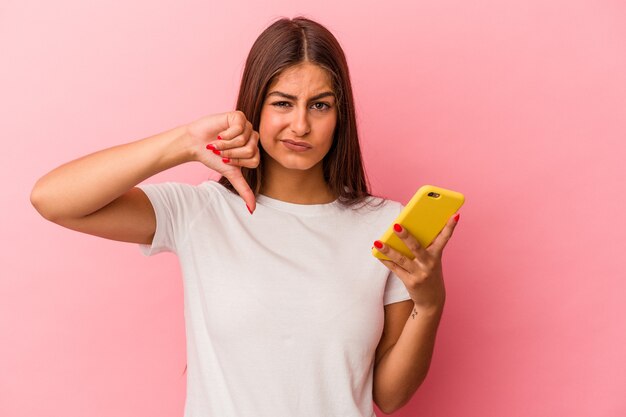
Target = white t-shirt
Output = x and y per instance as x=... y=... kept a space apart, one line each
x=283 y=308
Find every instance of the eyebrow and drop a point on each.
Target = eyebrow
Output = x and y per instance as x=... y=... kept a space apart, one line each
x=292 y=97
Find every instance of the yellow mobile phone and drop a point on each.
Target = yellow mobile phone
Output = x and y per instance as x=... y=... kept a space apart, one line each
x=424 y=217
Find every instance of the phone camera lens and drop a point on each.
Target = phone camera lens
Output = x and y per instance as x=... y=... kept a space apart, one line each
x=433 y=194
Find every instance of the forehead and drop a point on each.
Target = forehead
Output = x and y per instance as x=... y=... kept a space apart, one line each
x=302 y=79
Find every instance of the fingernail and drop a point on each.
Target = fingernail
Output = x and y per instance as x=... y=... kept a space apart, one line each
x=249 y=209
x=397 y=227
x=225 y=160
x=456 y=218
x=216 y=152
x=211 y=147
x=219 y=137
x=378 y=244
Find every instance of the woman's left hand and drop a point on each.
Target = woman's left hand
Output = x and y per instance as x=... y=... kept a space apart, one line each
x=422 y=276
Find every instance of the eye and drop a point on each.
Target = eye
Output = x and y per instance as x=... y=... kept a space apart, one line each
x=280 y=104
x=324 y=106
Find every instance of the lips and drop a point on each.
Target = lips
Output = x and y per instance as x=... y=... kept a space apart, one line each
x=293 y=142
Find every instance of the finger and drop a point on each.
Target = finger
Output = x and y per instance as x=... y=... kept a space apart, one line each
x=444 y=236
x=248 y=156
x=403 y=274
x=399 y=259
x=242 y=162
x=244 y=152
x=244 y=190
x=234 y=142
x=236 y=126
x=411 y=242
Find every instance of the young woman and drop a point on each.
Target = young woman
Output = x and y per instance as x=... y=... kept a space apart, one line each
x=287 y=312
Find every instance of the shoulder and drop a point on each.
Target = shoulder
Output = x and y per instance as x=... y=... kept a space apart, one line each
x=377 y=205
x=374 y=212
x=388 y=203
x=183 y=188
x=179 y=193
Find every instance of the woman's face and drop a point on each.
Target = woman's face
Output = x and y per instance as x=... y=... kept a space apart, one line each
x=300 y=107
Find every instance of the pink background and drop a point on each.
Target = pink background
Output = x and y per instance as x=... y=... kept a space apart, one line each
x=520 y=105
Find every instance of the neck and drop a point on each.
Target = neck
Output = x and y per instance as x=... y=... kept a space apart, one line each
x=296 y=186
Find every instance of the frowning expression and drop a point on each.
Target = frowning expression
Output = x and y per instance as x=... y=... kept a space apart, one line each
x=298 y=118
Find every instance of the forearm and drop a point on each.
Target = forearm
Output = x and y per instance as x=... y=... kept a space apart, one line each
x=84 y=185
x=404 y=367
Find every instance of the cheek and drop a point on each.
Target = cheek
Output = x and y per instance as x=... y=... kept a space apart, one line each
x=269 y=126
x=329 y=127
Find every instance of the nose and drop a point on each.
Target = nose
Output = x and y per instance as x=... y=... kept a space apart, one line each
x=300 y=125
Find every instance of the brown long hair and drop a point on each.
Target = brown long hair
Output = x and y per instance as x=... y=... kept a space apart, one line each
x=285 y=43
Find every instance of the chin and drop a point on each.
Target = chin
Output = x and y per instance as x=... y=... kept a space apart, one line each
x=294 y=162
x=296 y=165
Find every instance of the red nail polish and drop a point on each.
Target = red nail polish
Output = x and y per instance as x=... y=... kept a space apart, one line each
x=225 y=160
x=211 y=147
x=378 y=244
x=456 y=218
x=219 y=137
x=249 y=209
x=216 y=152
x=397 y=227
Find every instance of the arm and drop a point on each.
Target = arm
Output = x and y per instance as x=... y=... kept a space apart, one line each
x=403 y=367
x=96 y=194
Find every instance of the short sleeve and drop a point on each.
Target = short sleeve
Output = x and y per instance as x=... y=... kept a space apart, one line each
x=395 y=290
x=170 y=201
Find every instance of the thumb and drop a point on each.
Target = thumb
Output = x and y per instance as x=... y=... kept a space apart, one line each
x=241 y=185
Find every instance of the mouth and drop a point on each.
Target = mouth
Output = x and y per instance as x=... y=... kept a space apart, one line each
x=295 y=142
x=296 y=145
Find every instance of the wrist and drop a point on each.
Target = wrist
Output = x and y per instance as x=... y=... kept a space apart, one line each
x=190 y=150
x=179 y=147
x=431 y=311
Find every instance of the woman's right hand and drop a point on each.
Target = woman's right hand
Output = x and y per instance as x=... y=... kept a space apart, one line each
x=233 y=132
x=97 y=193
